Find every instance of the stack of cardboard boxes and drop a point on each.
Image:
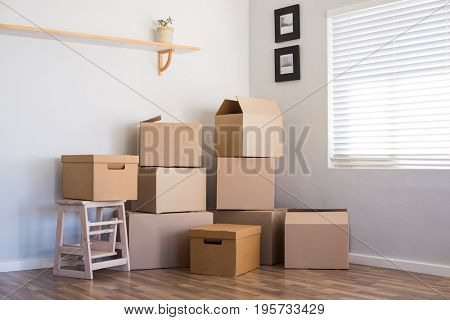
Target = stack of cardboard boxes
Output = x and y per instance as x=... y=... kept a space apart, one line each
x=171 y=195
x=249 y=139
x=168 y=224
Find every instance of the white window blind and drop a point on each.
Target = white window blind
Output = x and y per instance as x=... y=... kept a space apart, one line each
x=389 y=86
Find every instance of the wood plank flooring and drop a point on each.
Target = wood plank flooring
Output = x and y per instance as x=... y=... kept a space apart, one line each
x=360 y=282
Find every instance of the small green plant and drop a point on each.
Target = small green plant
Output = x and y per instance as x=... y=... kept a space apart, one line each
x=165 y=22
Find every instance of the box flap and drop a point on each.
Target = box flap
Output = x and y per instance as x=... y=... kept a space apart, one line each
x=330 y=217
x=259 y=106
x=266 y=118
x=151 y=120
x=224 y=231
x=99 y=159
x=229 y=107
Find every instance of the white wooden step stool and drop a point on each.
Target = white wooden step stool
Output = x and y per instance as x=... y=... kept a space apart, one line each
x=96 y=253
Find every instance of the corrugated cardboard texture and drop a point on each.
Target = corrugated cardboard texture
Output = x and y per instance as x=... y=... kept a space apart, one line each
x=218 y=253
x=257 y=127
x=161 y=241
x=272 y=230
x=164 y=190
x=170 y=144
x=245 y=183
x=317 y=240
x=99 y=178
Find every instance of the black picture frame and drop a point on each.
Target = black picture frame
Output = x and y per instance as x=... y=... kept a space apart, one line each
x=289 y=69
x=291 y=31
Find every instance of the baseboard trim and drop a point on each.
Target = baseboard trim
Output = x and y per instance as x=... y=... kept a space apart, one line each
x=398 y=264
x=362 y=259
x=29 y=264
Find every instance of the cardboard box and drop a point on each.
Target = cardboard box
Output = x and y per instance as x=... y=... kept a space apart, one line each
x=272 y=230
x=224 y=249
x=317 y=239
x=170 y=144
x=161 y=241
x=163 y=190
x=245 y=183
x=249 y=127
x=99 y=177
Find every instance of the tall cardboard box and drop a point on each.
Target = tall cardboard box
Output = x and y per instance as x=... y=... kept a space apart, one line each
x=272 y=230
x=164 y=190
x=245 y=183
x=317 y=239
x=161 y=241
x=99 y=177
x=249 y=127
x=170 y=144
x=224 y=249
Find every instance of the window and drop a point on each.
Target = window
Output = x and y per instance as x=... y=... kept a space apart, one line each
x=389 y=85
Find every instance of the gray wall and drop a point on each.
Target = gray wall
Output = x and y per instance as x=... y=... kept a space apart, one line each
x=53 y=102
x=398 y=214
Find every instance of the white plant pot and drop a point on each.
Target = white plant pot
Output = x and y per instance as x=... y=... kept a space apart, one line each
x=164 y=34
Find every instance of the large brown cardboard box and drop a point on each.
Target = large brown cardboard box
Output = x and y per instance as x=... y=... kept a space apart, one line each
x=170 y=144
x=224 y=249
x=316 y=239
x=99 y=177
x=272 y=230
x=162 y=241
x=245 y=183
x=249 y=127
x=163 y=190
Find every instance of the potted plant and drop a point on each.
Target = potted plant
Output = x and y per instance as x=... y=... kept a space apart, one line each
x=164 y=32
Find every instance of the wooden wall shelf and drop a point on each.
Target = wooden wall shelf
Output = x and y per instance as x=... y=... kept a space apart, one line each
x=52 y=34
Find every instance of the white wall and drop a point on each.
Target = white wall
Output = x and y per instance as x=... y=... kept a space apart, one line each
x=53 y=102
x=401 y=214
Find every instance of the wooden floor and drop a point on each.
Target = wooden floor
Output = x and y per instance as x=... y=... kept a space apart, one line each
x=360 y=282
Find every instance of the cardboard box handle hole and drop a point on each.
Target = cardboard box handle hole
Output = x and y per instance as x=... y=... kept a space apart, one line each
x=116 y=166
x=216 y=242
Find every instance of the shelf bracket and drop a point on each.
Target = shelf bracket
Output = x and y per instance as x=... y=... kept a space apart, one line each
x=161 y=66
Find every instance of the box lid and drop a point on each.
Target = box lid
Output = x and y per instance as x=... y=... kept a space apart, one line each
x=100 y=158
x=338 y=217
x=224 y=231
